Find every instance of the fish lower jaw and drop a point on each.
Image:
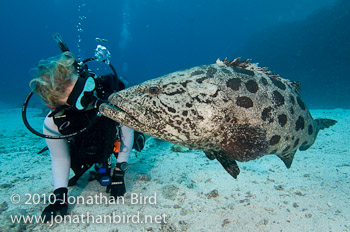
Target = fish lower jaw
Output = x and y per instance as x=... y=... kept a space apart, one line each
x=118 y=114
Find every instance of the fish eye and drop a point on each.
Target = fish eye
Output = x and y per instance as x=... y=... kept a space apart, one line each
x=153 y=90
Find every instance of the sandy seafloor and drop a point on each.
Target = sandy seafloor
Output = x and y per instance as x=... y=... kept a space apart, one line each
x=194 y=193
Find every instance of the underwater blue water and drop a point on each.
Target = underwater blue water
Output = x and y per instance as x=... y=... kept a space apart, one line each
x=302 y=40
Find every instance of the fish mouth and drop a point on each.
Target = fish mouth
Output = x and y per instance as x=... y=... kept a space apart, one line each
x=128 y=113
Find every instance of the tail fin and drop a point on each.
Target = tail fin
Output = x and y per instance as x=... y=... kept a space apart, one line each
x=320 y=124
x=323 y=123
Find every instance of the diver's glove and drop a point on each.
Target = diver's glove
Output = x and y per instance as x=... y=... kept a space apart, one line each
x=58 y=202
x=117 y=186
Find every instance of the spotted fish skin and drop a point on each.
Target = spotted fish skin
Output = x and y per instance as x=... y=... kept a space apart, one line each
x=231 y=113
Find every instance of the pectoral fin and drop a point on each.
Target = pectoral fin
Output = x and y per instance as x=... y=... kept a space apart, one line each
x=210 y=155
x=228 y=163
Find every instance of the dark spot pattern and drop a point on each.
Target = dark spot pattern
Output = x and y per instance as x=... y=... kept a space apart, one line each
x=291 y=110
x=171 y=84
x=211 y=71
x=296 y=143
x=282 y=119
x=188 y=105
x=310 y=130
x=243 y=71
x=184 y=84
x=286 y=149
x=278 y=98
x=230 y=119
x=185 y=113
x=252 y=86
x=198 y=72
x=203 y=98
x=278 y=83
x=200 y=80
x=172 y=110
x=275 y=139
x=226 y=71
x=292 y=99
x=215 y=94
x=300 y=124
x=264 y=81
x=274 y=151
x=266 y=114
x=301 y=103
x=178 y=91
x=234 y=120
x=234 y=84
x=244 y=102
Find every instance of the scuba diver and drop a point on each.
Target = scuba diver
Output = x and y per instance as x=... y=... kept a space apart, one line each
x=77 y=136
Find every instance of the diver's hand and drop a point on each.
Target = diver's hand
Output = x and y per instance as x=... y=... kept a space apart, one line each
x=90 y=99
x=58 y=203
x=117 y=186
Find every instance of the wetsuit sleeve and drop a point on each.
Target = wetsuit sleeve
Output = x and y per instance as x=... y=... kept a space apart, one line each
x=127 y=142
x=60 y=157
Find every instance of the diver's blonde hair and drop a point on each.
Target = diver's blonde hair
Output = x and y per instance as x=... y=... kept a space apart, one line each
x=52 y=77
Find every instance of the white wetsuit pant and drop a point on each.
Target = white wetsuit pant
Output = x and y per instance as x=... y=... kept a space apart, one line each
x=60 y=157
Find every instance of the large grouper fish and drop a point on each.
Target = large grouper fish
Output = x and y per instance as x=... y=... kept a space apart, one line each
x=231 y=110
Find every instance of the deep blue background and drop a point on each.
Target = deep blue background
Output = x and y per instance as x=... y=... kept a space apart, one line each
x=303 y=40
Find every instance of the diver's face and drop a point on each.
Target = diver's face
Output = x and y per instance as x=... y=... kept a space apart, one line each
x=64 y=98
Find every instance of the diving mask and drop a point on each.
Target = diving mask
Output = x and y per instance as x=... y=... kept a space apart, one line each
x=83 y=93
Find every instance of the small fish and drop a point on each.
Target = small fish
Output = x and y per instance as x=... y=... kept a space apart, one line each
x=101 y=40
x=232 y=110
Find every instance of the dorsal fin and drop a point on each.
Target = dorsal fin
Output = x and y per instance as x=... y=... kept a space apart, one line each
x=246 y=64
x=296 y=86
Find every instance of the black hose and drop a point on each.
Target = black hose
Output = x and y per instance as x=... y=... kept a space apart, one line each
x=31 y=129
x=64 y=48
x=111 y=66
